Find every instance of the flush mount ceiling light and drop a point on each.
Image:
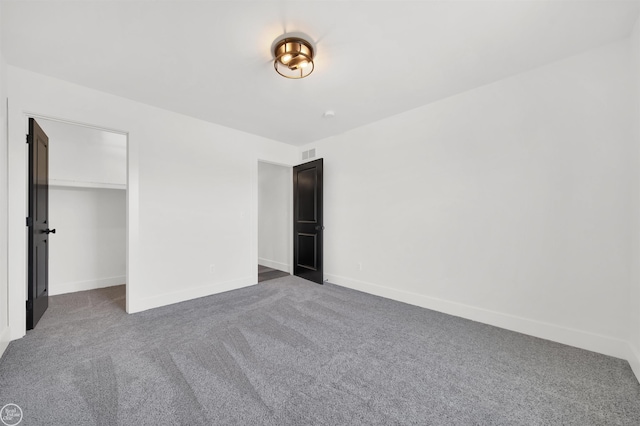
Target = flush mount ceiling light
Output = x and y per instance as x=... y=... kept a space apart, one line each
x=294 y=57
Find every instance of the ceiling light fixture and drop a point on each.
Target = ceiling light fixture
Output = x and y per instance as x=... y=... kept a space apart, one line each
x=293 y=58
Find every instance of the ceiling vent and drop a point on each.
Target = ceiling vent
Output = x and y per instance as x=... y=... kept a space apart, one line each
x=309 y=154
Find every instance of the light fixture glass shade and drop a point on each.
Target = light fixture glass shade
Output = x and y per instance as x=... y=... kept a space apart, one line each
x=293 y=58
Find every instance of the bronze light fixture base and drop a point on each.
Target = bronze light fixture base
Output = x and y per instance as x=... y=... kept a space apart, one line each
x=293 y=58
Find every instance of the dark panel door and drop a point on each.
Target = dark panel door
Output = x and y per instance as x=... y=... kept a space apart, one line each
x=38 y=222
x=307 y=221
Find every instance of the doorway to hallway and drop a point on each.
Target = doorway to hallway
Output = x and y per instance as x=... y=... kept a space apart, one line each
x=274 y=221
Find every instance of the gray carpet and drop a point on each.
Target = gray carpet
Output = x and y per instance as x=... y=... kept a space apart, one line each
x=289 y=352
x=265 y=273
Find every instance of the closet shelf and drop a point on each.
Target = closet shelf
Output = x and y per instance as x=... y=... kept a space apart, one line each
x=80 y=184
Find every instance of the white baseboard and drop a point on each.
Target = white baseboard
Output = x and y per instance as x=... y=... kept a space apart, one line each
x=273 y=264
x=5 y=338
x=144 y=304
x=71 y=287
x=581 y=339
x=634 y=360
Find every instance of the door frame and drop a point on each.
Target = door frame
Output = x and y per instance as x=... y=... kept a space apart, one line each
x=17 y=241
x=289 y=234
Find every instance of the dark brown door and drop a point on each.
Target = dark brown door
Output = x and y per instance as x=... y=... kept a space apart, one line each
x=38 y=223
x=307 y=221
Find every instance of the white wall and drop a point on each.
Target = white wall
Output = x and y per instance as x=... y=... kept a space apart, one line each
x=4 y=291
x=274 y=216
x=88 y=249
x=509 y=204
x=191 y=193
x=83 y=155
x=635 y=292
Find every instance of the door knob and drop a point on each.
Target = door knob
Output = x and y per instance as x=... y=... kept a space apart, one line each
x=50 y=231
x=320 y=228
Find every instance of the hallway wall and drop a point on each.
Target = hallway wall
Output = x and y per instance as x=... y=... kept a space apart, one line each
x=274 y=216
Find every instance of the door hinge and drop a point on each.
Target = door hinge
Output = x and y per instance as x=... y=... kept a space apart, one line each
x=29 y=221
x=29 y=305
x=27 y=138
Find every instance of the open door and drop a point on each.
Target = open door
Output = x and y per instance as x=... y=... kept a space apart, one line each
x=38 y=223
x=307 y=221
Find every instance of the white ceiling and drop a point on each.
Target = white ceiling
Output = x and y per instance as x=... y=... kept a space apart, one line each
x=212 y=59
